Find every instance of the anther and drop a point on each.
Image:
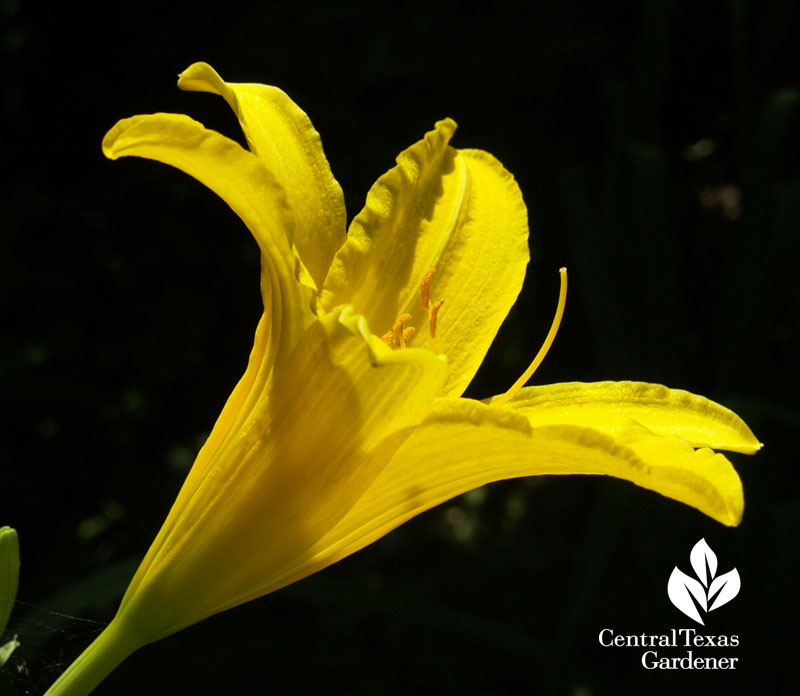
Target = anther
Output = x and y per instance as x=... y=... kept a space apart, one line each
x=397 y=331
x=388 y=338
x=548 y=341
x=425 y=288
x=407 y=334
x=432 y=317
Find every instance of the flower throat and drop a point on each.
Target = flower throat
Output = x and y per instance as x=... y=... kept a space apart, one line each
x=401 y=334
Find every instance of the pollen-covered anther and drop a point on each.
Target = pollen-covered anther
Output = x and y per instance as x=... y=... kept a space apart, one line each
x=407 y=334
x=397 y=331
x=425 y=288
x=434 y=311
x=388 y=338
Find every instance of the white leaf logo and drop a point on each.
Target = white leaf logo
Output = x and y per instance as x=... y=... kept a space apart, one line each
x=681 y=589
x=708 y=592
x=703 y=558
x=727 y=585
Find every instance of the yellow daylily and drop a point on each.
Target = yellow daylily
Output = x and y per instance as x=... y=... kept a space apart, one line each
x=349 y=419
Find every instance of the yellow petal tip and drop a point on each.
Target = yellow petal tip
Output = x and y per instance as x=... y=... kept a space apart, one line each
x=201 y=77
x=447 y=126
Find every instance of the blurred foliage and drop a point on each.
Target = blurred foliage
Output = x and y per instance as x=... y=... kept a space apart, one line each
x=656 y=145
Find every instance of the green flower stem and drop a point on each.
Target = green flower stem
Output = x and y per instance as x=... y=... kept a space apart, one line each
x=95 y=663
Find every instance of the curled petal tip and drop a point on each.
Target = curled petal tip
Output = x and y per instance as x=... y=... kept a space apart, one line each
x=447 y=125
x=200 y=77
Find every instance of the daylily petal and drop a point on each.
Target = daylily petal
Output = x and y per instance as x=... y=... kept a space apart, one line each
x=239 y=178
x=245 y=398
x=458 y=211
x=608 y=405
x=282 y=136
x=463 y=444
x=317 y=429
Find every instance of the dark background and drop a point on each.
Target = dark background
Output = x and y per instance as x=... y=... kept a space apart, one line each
x=656 y=145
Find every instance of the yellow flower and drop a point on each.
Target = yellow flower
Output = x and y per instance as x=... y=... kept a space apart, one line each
x=349 y=419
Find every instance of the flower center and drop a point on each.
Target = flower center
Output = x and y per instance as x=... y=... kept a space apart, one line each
x=400 y=334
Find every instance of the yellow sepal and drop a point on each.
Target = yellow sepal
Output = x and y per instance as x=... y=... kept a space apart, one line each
x=241 y=180
x=282 y=136
x=267 y=490
x=607 y=406
x=463 y=444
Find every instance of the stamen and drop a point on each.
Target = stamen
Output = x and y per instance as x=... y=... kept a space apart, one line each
x=425 y=288
x=407 y=334
x=432 y=317
x=388 y=338
x=397 y=331
x=548 y=341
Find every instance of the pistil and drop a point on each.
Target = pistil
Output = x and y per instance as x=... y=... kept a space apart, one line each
x=548 y=341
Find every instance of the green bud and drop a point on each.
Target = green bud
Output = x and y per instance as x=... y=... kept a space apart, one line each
x=9 y=578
